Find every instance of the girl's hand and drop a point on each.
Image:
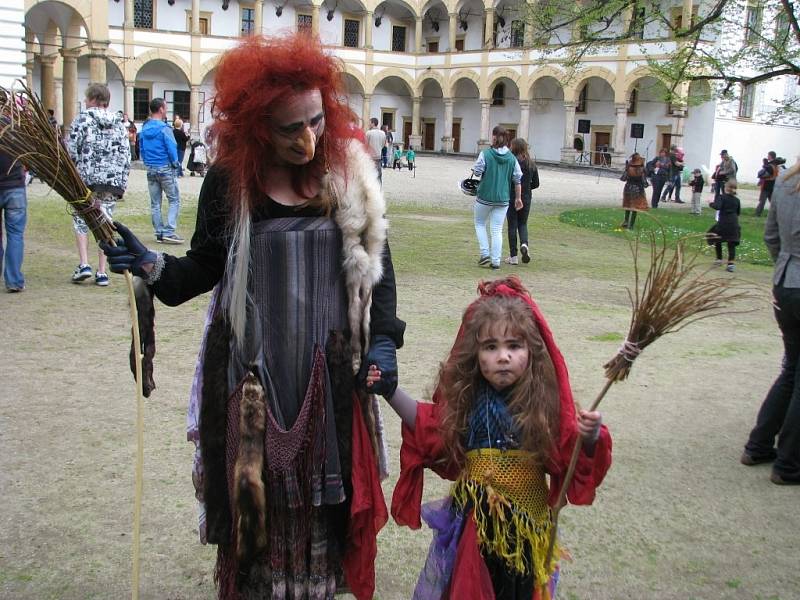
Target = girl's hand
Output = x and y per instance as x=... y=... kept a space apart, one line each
x=589 y=425
x=373 y=375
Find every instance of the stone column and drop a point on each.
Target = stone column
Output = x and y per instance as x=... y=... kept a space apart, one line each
x=29 y=74
x=452 y=27
x=415 y=139
x=128 y=104
x=368 y=30
x=48 y=95
x=194 y=111
x=315 y=19
x=128 y=22
x=258 y=18
x=418 y=36
x=447 y=138
x=686 y=13
x=524 y=120
x=196 y=17
x=567 y=151
x=58 y=96
x=486 y=139
x=620 y=135
x=365 y=110
x=70 y=77
x=488 y=18
x=97 y=62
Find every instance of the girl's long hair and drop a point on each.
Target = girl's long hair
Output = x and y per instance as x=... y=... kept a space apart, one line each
x=253 y=82
x=519 y=147
x=534 y=399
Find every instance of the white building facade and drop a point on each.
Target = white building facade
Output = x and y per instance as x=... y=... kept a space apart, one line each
x=12 y=42
x=439 y=73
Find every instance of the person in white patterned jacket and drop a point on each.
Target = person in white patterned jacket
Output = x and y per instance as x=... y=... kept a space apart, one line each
x=98 y=144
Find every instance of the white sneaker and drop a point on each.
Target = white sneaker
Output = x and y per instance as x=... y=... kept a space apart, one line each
x=512 y=260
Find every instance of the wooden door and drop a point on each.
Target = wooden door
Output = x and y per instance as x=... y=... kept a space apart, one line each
x=428 y=139
x=456 y=137
x=406 y=133
x=666 y=141
x=512 y=133
x=600 y=156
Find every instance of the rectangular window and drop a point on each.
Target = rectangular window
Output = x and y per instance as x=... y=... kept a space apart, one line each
x=517 y=34
x=752 y=33
x=178 y=104
x=304 y=23
x=782 y=28
x=433 y=47
x=387 y=118
x=633 y=100
x=746 y=101
x=141 y=103
x=459 y=44
x=203 y=22
x=580 y=106
x=398 y=38
x=143 y=14
x=248 y=25
x=351 y=31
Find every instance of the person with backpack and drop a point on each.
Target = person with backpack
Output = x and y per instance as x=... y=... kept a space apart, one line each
x=518 y=219
x=771 y=170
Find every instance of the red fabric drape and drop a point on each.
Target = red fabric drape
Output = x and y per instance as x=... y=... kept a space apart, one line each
x=368 y=512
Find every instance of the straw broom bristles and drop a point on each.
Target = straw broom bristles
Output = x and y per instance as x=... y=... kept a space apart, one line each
x=28 y=137
x=672 y=295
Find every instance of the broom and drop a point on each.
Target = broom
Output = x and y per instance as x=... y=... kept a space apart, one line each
x=27 y=136
x=672 y=295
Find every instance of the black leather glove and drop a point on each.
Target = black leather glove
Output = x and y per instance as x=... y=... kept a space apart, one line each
x=383 y=354
x=129 y=254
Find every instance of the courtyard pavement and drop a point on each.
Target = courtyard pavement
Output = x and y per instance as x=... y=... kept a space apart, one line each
x=435 y=183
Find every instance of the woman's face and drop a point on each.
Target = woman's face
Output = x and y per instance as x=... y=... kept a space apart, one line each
x=297 y=128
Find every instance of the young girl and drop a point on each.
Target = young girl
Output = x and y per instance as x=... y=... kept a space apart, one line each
x=502 y=418
x=518 y=218
x=726 y=229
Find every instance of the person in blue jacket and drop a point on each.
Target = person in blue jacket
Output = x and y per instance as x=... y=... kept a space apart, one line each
x=159 y=153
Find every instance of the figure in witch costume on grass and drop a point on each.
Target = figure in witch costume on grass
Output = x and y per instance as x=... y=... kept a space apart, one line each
x=502 y=418
x=291 y=236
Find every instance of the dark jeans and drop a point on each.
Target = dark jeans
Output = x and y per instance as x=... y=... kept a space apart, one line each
x=181 y=154
x=731 y=251
x=780 y=413
x=674 y=184
x=518 y=223
x=763 y=196
x=658 y=185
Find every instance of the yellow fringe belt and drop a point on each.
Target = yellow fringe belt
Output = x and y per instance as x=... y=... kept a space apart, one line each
x=508 y=492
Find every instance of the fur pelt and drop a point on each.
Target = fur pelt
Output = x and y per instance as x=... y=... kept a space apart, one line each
x=213 y=427
x=146 y=315
x=249 y=498
x=359 y=214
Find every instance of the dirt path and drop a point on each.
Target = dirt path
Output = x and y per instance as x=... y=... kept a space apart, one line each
x=677 y=517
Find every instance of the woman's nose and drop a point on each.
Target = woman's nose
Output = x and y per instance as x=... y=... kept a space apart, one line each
x=308 y=142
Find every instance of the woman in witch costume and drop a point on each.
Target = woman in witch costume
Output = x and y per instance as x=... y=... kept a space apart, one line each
x=502 y=417
x=291 y=236
x=633 y=195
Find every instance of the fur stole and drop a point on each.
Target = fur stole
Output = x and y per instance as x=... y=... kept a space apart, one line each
x=359 y=213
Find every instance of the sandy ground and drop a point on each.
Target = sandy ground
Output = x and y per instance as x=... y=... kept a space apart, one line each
x=677 y=516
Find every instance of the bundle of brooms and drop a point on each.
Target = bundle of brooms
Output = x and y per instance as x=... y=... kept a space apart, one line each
x=27 y=136
x=673 y=293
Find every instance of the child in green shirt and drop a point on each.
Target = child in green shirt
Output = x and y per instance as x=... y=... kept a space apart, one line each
x=398 y=155
x=410 y=156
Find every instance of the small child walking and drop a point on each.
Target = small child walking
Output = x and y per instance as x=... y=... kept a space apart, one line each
x=502 y=419
x=696 y=184
x=726 y=229
x=410 y=156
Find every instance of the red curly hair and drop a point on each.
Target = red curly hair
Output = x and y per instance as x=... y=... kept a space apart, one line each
x=253 y=80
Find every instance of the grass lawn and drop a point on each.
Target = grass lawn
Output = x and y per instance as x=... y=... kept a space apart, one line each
x=676 y=225
x=676 y=517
